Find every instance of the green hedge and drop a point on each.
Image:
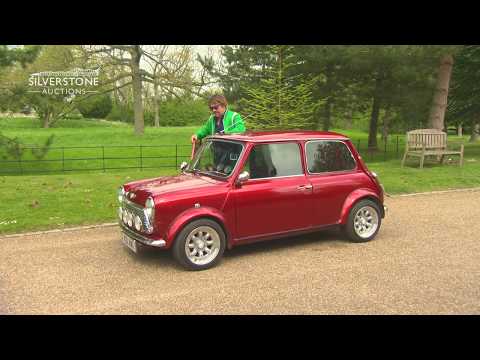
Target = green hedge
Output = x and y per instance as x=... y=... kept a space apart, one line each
x=171 y=113
x=97 y=106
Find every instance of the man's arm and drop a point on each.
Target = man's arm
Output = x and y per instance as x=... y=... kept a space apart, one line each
x=204 y=130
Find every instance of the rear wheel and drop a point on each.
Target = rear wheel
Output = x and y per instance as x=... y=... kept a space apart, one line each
x=200 y=245
x=364 y=221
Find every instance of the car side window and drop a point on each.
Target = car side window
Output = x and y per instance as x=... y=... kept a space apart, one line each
x=327 y=156
x=274 y=160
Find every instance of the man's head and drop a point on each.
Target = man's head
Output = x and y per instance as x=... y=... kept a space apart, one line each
x=217 y=104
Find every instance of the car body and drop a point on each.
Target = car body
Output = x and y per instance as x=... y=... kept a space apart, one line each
x=254 y=186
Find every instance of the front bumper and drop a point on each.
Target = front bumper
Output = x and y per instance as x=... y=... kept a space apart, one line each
x=142 y=239
x=385 y=209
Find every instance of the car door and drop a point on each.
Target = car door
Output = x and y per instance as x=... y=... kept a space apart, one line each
x=333 y=172
x=277 y=197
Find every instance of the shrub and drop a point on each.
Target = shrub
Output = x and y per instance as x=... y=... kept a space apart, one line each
x=175 y=112
x=97 y=106
x=179 y=113
x=120 y=112
x=75 y=115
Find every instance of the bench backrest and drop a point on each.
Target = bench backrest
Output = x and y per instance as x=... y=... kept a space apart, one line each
x=431 y=138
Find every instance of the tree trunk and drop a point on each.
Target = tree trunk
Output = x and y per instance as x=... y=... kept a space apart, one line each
x=386 y=122
x=137 y=91
x=439 y=105
x=329 y=103
x=459 y=130
x=155 y=104
x=372 y=134
x=328 y=114
x=349 y=119
x=46 y=120
x=475 y=132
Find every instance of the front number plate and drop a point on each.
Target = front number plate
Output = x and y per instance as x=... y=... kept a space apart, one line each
x=129 y=242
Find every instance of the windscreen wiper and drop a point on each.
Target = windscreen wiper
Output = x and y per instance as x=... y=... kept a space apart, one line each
x=210 y=172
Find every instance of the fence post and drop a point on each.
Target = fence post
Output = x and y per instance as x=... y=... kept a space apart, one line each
x=141 y=157
x=397 y=146
x=385 y=152
x=103 y=157
x=63 y=159
x=176 y=156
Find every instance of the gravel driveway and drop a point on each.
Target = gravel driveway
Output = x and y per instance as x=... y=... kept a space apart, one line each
x=425 y=260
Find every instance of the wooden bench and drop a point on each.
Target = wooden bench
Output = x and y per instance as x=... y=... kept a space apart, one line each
x=429 y=142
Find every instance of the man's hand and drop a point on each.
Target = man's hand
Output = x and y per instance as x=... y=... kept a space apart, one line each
x=194 y=138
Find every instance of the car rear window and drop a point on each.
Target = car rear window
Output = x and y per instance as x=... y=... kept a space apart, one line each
x=327 y=156
x=274 y=160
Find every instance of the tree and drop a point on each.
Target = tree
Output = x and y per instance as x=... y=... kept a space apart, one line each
x=280 y=101
x=437 y=113
x=239 y=66
x=8 y=58
x=390 y=77
x=128 y=60
x=330 y=65
x=22 y=55
x=170 y=73
x=52 y=106
x=464 y=105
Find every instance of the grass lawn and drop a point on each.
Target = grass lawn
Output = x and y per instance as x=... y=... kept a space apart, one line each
x=38 y=202
x=93 y=133
x=55 y=201
x=104 y=144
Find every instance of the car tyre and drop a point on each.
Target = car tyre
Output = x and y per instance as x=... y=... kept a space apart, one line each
x=363 y=222
x=199 y=245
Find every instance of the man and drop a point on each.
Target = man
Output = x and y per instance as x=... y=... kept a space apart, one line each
x=222 y=121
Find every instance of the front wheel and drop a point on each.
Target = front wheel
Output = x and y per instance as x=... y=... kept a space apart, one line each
x=200 y=245
x=364 y=221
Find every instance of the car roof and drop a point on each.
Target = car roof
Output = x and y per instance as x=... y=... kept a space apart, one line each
x=265 y=136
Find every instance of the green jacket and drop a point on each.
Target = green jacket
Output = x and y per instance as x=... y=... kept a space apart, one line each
x=232 y=123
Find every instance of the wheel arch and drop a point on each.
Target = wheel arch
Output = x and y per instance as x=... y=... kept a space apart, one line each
x=354 y=198
x=185 y=219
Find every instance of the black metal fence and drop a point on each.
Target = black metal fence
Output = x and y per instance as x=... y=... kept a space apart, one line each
x=103 y=158
x=97 y=158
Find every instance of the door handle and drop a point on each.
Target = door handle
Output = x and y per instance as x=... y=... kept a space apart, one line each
x=305 y=187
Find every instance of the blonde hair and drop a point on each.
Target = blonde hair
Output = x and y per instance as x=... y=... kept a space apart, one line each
x=217 y=99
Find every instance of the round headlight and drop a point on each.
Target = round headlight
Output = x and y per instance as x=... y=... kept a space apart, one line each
x=120 y=213
x=150 y=208
x=138 y=223
x=120 y=194
x=125 y=216
x=149 y=203
x=130 y=219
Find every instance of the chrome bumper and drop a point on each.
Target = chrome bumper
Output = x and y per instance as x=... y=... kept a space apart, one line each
x=385 y=209
x=140 y=238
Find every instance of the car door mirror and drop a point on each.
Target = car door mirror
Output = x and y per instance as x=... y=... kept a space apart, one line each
x=244 y=176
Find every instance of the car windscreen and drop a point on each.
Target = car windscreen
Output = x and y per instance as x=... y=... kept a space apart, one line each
x=216 y=157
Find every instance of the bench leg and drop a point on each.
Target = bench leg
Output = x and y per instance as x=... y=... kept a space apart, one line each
x=404 y=157
x=421 y=161
x=461 y=156
x=442 y=159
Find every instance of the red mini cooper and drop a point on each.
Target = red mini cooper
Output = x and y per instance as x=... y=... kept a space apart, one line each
x=250 y=187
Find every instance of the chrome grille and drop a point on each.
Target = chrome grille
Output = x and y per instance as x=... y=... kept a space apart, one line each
x=135 y=209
